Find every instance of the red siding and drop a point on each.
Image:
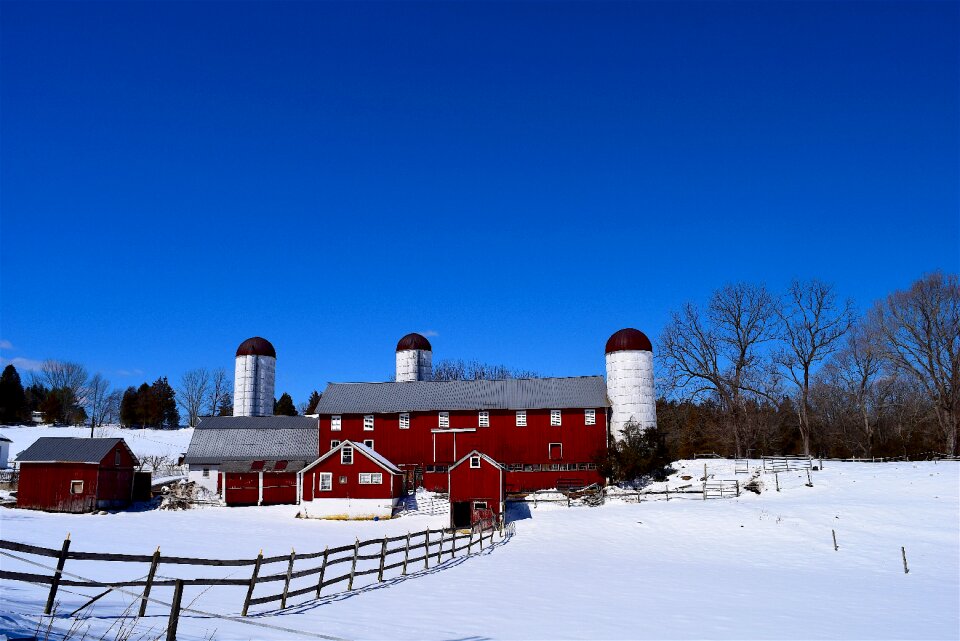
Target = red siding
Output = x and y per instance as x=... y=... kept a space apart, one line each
x=279 y=488
x=469 y=484
x=503 y=441
x=352 y=489
x=241 y=488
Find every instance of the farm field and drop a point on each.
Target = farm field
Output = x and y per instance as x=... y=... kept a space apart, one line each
x=757 y=566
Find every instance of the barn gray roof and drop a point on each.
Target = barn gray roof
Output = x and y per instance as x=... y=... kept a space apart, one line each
x=424 y=396
x=253 y=438
x=67 y=449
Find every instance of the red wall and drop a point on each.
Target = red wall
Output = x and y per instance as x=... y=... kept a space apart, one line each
x=279 y=488
x=390 y=488
x=503 y=441
x=242 y=488
x=46 y=486
x=477 y=484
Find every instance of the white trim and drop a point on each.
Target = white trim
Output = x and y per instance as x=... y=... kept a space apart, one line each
x=371 y=475
x=357 y=447
x=590 y=417
x=336 y=422
x=483 y=418
x=443 y=419
x=550 y=450
x=471 y=453
x=372 y=419
x=343 y=450
x=404 y=415
x=522 y=413
x=260 y=487
x=370 y=441
x=477 y=466
x=329 y=476
x=80 y=481
x=559 y=416
x=454 y=430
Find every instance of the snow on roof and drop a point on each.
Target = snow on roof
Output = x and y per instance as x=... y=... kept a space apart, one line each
x=68 y=449
x=5 y=439
x=425 y=396
x=366 y=451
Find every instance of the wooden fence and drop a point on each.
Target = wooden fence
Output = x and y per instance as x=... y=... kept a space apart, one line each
x=406 y=553
x=774 y=464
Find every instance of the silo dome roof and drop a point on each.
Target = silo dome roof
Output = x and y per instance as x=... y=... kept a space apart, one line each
x=414 y=341
x=629 y=339
x=256 y=346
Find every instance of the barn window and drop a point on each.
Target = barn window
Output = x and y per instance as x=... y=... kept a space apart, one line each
x=368 y=423
x=521 y=418
x=474 y=461
x=206 y=472
x=256 y=466
x=279 y=466
x=444 y=420
x=581 y=466
x=326 y=481
x=334 y=443
x=76 y=487
x=554 y=417
x=404 y=421
x=369 y=443
x=335 y=423
x=590 y=417
x=555 y=451
x=343 y=480
x=371 y=479
x=479 y=505
x=531 y=467
x=346 y=455
x=116 y=458
x=484 y=419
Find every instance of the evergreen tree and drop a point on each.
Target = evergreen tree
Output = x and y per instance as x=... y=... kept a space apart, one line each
x=312 y=402
x=148 y=407
x=226 y=405
x=13 y=400
x=35 y=394
x=60 y=407
x=130 y=408
x=641 y=452
x=284 y=407
x=166 y=400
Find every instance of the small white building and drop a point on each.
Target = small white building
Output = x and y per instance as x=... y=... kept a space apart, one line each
x=4 y=452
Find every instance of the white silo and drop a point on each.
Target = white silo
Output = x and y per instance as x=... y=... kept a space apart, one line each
x=630 y=381
x=414 y=359
x=254 y=378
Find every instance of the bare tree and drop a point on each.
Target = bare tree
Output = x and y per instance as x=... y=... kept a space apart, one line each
x=63 y=375
x=219 y=389
x=717 y=353
x=812 y=324
x=97 y=398
x=921 y=331
x=194 y=386
x=856 y=368
x=111 y=412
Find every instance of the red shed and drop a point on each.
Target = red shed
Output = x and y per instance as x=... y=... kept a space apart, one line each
x=477 y=489
x=352 y=471
x=63 y=474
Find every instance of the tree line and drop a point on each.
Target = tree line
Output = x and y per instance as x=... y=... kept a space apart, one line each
x=64 y=393
x=751 y=372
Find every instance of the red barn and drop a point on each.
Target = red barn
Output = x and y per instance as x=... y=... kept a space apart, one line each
x=477 y=489
x=62 y=474
x=546 y=432
x=252 y=460
x=365 y=482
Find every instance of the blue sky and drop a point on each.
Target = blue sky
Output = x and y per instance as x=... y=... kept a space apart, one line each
x=517 y=180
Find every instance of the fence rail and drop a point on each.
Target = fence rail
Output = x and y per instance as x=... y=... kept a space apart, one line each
x=775 y=464
x=419 y=550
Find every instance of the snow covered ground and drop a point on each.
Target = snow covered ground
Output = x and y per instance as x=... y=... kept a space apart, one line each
x=757 y=566
x=170 y=443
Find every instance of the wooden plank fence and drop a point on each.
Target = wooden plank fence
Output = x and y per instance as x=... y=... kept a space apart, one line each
x=393 y=556
x=775 y=464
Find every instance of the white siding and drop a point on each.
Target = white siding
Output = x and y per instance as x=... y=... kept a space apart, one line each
x=414 y=365
x=631 y=390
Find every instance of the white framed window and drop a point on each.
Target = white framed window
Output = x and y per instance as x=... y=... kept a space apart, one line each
x=443 y=419
x=474 y=462
x=521 y=418
x=206 y=472
x=555 y=450
x=326 y=481
x=346 y=455
x=590 y=417
x=76 y=487
x=484 y=419
x=371 y=479
x=479 y=505
x=554 y=417
x=334 y=443
x=369 y=443
x=404 y=421
x=335 y=423
x=368 y=423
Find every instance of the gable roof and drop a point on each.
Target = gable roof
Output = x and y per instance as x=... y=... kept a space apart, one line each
x=69 y=449
x=253 y=438
x=424 y=396
x=363 y=449
x=481 y=455
x=5 y=439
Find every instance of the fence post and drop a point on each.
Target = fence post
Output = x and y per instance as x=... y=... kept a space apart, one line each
x=146 y=589
x=353 y=566
x=175 y=610
x=383 y=556
x=406 y=554
x=470 y=542
x=323 y=569
x=453 y=548
x=426 y=551
x=481 y=536
x=738 y=488
x=286 y=583
x=903 y=551
x=56 y=575
x=440 y=549
x=253 y=582
x=835 y=546
x=776 y=477
x=809 y=481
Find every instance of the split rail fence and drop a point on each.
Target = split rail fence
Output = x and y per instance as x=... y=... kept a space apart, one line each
x=380 y=557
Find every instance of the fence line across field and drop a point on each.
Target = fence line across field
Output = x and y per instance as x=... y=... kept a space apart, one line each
x=437 y=545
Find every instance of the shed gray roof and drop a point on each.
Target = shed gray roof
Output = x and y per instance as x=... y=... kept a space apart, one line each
x=253 y=438
x=67 y=449
x=5 y=439
x=425 y=396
